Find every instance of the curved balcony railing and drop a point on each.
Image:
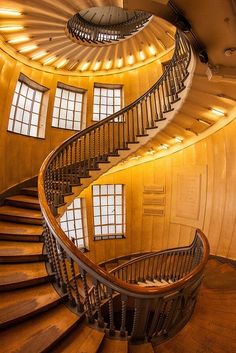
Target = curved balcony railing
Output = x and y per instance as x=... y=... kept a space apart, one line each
x=87 y=32
x=73 y=160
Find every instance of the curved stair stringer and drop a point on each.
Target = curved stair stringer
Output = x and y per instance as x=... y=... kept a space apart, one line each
x=134 y=147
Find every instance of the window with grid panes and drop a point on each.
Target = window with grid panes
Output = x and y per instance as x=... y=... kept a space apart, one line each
x=68 y=107
x=25 y=110
x=106 y=101
x=108 y=211
x=72 y=223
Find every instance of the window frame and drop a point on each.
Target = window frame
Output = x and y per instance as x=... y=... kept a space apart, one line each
x=75 y=90
x=111 y=87
x=122 y=234
x=42 y=113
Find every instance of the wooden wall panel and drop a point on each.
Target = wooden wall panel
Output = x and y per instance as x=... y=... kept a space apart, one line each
x=217 y=153
x=22 y=156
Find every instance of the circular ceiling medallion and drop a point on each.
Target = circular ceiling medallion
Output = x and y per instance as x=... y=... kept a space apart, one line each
x=105 y=25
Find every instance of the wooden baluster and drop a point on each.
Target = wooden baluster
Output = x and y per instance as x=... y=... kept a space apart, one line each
x=68 y=287
x=79 y=305
x=123 y=132
x=160 y=104
x=141 y=314
x=49 y=248
x=127 y=126
x=167 y=94
x=111 y=312
x=85 y=157
x=113 y=136
x=137 y=120
x=86 y=297
x=61 y=282
x=103 y=139
x=98 y=303
x=133 y=130
x=123 y=315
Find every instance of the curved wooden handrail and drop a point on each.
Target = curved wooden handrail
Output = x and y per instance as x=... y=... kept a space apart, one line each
x=73 y=159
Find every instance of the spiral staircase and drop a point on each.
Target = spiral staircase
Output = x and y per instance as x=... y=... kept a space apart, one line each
x=54 y=299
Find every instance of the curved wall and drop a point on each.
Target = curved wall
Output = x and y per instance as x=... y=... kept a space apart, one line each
x=194 y=187
x=22 y=156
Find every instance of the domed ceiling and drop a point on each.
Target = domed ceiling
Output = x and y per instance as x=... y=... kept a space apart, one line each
x=36 y=32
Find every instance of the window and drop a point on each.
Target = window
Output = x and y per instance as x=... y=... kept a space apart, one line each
x=107 y=100
x=108 y=211
x=68 y=108
x=72 y=222
x=26 y=110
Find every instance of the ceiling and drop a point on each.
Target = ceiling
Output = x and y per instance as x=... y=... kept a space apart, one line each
x=41 y=26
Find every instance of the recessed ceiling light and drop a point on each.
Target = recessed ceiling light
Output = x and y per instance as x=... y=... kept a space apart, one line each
x=85 y=66
x=130 y=59
x=152 y=50
x=217 y=112
x=178 y=139
x=164 y=146
x=97 y=65
x=119 y=62
x=39 y=55
x=11 y=28
x=141 y=55
x=61 y=63
x=9 y=12
x=18 y=40
x=28 y=48
x=108 y=64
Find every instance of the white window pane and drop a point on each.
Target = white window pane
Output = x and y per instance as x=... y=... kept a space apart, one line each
x=72 y=96
x=71 y=105
x=116 y=109
x=70 y=215
x=79 y=97
x=65 y=94
x=96 y=211
x=36 y=107
x=111 y=189
x=118 y=189
x=58 y=92
x=28 y=104
x=119 y=219
x=96 y=117
x=104 y=230
x=96 y=109
x=103 y=116
x=77 y=126
x=118 y=200
x=104 y=92
x=104 y=220
x=96 y=189
x=110 y=200
x=38 y=96
x=77 y=203
x=119 y=229
x=103 y=100
x=111 y=229
x=103 y=109
x=110 y=110
x=70 y=115
x=10 y=125
x=56 y=112
x=24 y=89
x=63 y=114
x=104 y=210
x=117 y=92
x=26 y=117
x=33 y=131
x=111 y=219
x=78 y=107
x=77 y=116
x=117 y=101
x=118 y=209
x=21 y=101
x=55 y=122
x=24 y=129
x=64 y=226
x=18 y=86
x=57 y=102
x=64 y=103
x=69 y=124
x=110 y=92
x=96 y=201
x=96 y=100
x=104 y=189
x=17 y=127
x=98 y=230
x=30 y=93
x=35 y=119
x=97 y=221
x=110 y=101
x=62 y=124
x=19 y=114
x=111 y=210
x=78 y=223
x=12 y=113
x=15 y=97
x=103 y=200
x=97 y=91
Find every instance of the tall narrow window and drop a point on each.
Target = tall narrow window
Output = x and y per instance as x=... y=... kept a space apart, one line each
x=107 y=100
x=68 y=108
x=72 y=222
x=109 y=211
x=26 y=110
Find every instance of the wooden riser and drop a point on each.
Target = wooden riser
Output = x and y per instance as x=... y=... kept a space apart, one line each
x=31 y=191
x=22 y=204
x=21 y=237
x=20 y=219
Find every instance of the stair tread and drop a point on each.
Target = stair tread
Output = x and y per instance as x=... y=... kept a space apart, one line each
x=27 y=301
x=30 y=188
x=11 y=248
x=17 y=273
x=39 y=333
x=141 y=348
x=24 y=198
x=20 y=228
x=82 y=339
x=20 y=212
x=114 y=346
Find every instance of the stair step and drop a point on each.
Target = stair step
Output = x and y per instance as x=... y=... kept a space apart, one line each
x=25 y=201
x=114 y=346
x=20 y=304
x=31 y=191
x=22 y=275
x=40 y=333
x=22 y=215
x=20 y=232
x=11 y=251
x=82 y=339
x=141 y=348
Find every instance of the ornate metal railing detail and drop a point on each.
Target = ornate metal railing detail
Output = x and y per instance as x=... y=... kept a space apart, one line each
x=91 y=289
x=88 y=32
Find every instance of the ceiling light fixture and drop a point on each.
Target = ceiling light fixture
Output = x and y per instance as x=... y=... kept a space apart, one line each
x=204 y=122
x=217 y=112
x=39 y=55
x=18 y=40
x=119 y=62
x=9 y=12
x=61 y=63
x=152 y=50
x=85 y=66
x=130 y=59
x=97 y=65
x=164 y=146
x=141 y=55
x=178 y=139
x=11 y=28
x=49 y=60
x=28 y=48
x=108 y=64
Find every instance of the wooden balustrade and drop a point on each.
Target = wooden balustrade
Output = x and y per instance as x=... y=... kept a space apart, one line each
x=157 y=312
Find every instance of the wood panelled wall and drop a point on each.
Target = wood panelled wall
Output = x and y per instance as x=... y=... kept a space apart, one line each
x=22 y=156
x=216 y=156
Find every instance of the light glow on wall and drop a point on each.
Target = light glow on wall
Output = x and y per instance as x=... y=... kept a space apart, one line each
x=9 y=12
x=28 y=48
x=18 y=40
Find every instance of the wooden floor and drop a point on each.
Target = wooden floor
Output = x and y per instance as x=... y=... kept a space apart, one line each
x=34 y=318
